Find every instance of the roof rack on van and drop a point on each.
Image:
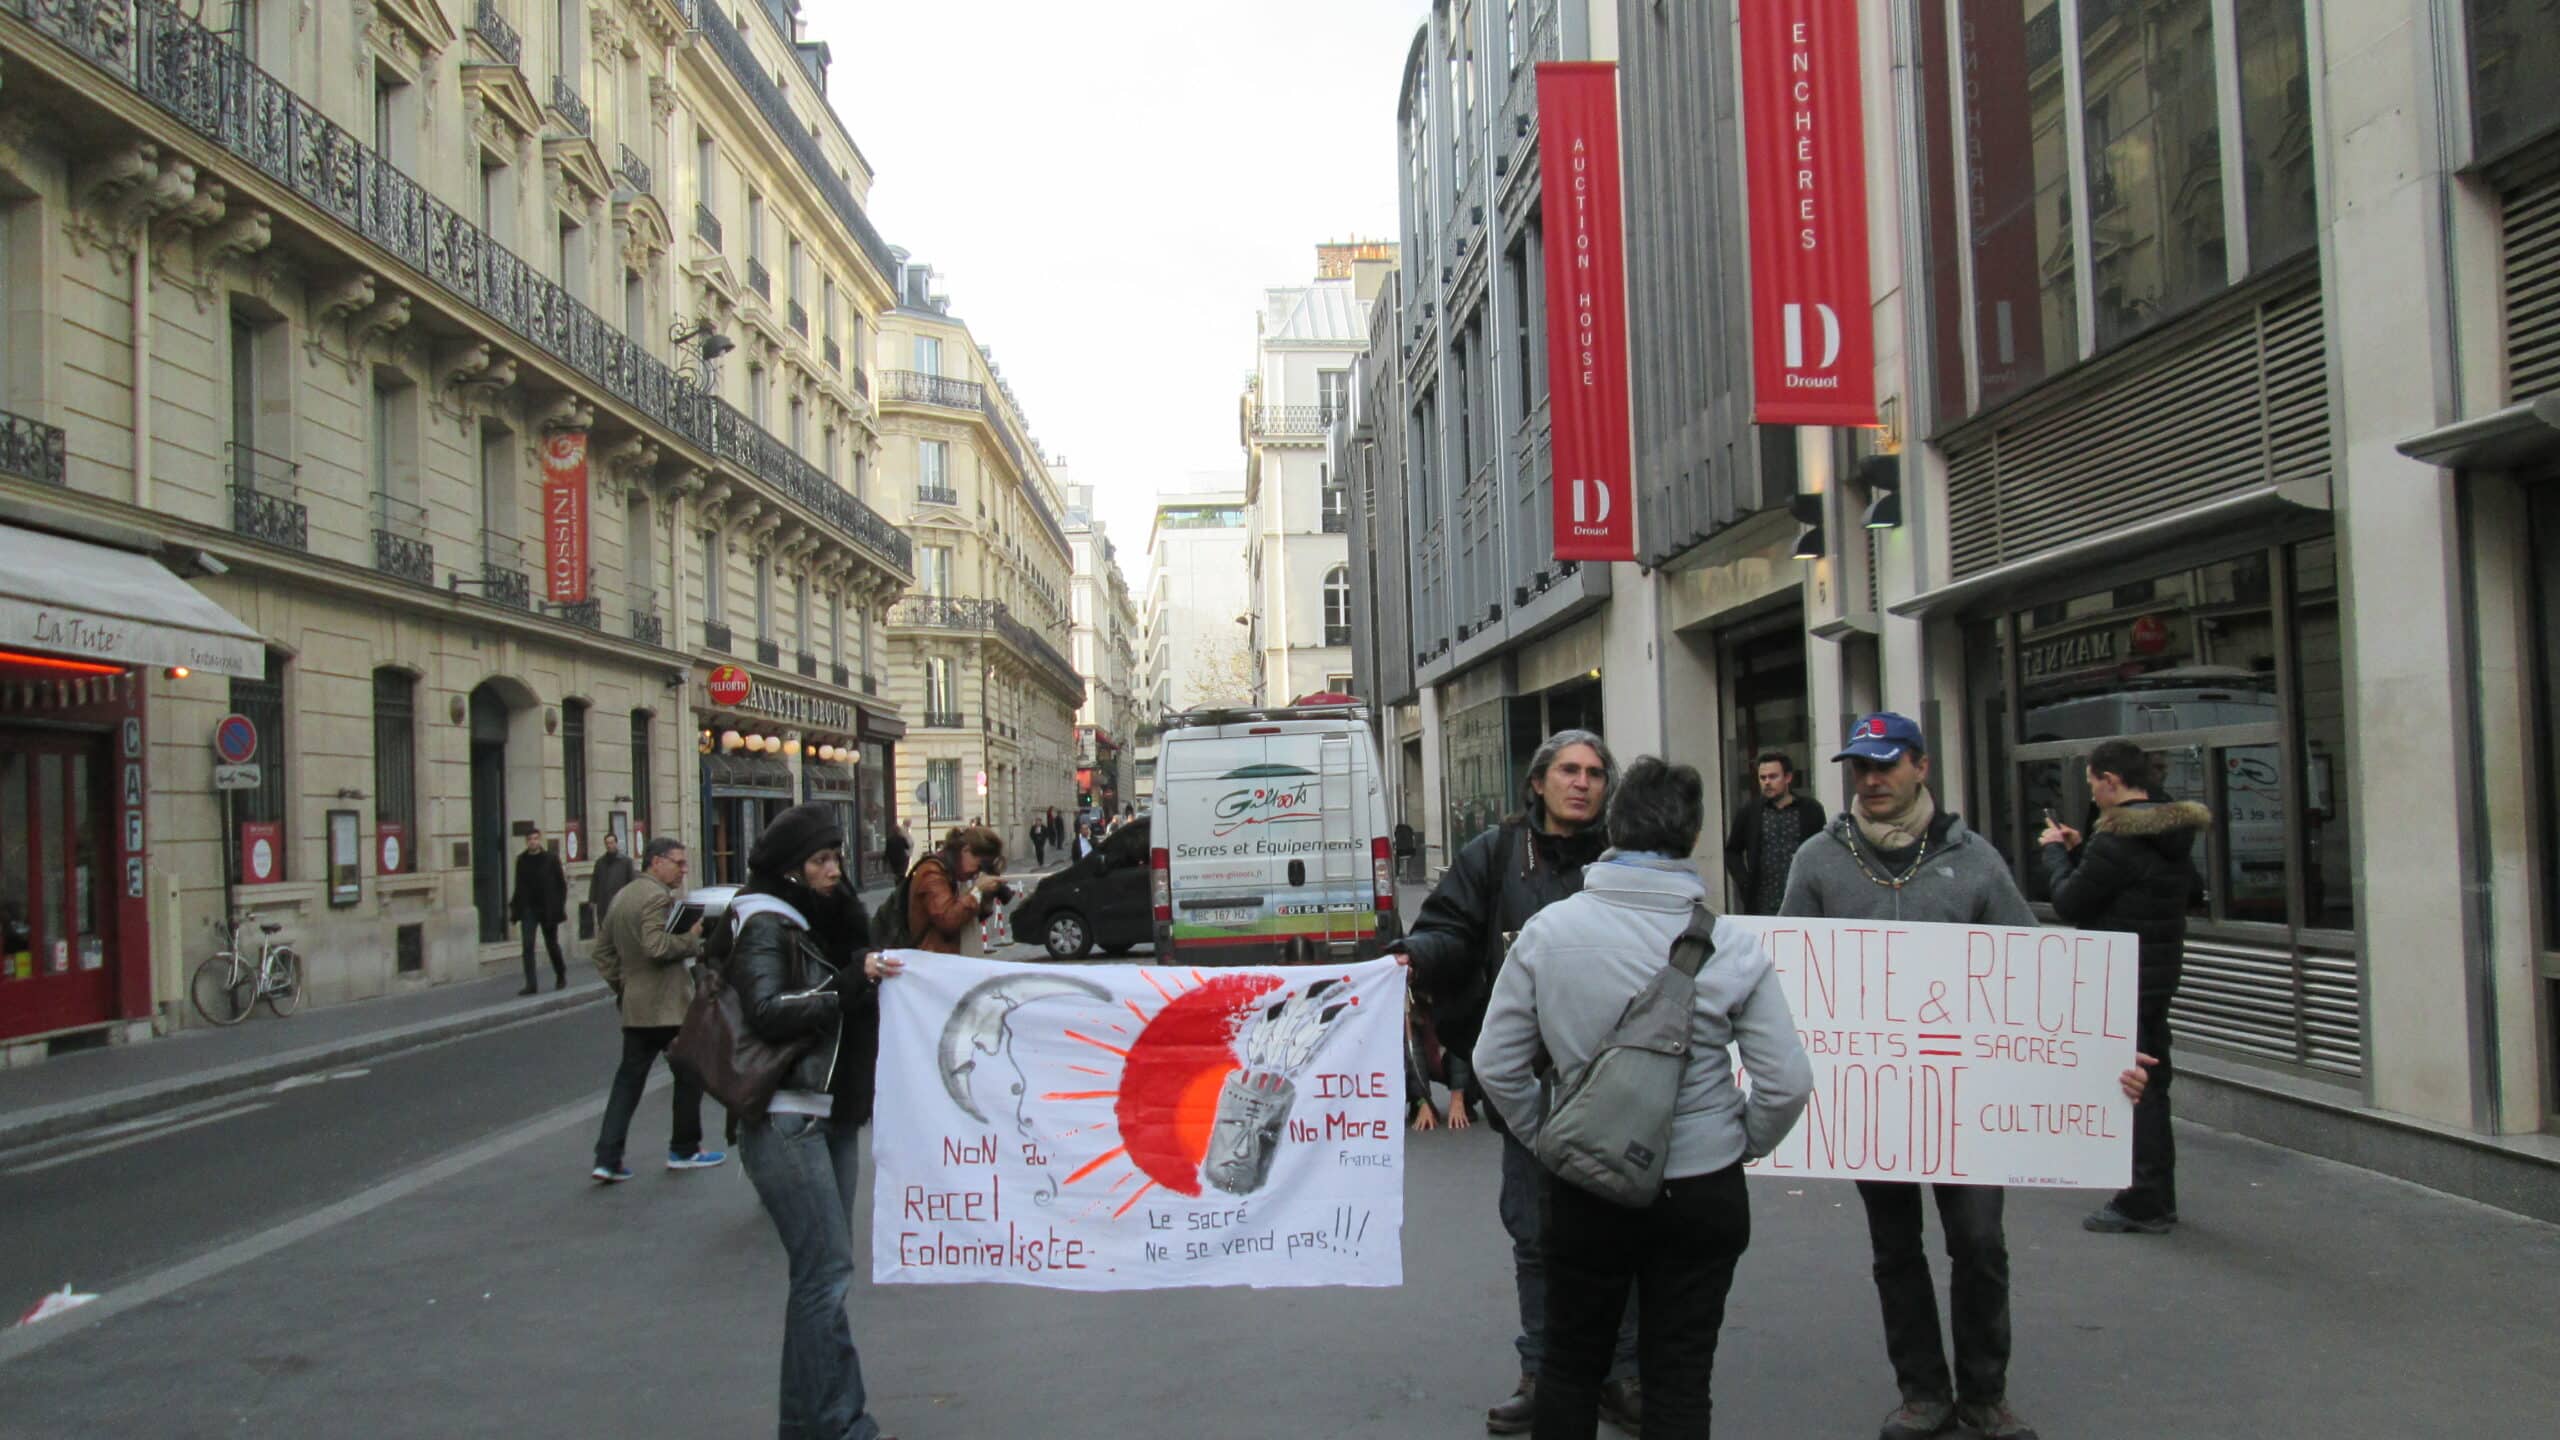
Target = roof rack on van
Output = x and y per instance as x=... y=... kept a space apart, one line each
x=1252 y=714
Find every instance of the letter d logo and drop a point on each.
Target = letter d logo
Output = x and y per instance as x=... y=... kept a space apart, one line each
x=1584 y=493
x=1795 y=337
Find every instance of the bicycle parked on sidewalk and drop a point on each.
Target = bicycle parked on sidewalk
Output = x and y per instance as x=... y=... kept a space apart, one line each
x=230 y=983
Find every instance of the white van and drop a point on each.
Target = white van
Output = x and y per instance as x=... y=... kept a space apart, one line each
x=1270 y=841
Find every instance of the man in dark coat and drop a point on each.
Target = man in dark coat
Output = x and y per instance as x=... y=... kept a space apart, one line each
x=894 y=853
x=541 y=901
x=612 y=872
x=2136 y=873
x=1499 y=879
x=1767 y=834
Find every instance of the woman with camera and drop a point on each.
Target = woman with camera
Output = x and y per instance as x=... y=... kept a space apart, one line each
x=803 y=969
x=955 y=886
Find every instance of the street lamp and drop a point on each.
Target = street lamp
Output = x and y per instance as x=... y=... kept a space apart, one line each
x=705 y=344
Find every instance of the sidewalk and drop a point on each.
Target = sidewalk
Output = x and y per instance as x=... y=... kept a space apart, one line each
x=89 y=1088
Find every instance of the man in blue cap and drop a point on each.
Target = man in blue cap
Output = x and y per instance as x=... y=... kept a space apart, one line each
x=1893 y=855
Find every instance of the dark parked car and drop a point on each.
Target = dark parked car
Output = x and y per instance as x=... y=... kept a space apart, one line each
x=1101 y=900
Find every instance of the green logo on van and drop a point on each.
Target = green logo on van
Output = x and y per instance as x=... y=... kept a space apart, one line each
x=1270 y=803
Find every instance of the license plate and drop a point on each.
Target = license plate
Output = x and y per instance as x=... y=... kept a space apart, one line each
x=1239 y=915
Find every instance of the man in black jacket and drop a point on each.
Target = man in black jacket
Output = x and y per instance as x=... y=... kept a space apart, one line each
x=1767 y=833
x=1500 y=879
x=541 y=901
x=2137 y=874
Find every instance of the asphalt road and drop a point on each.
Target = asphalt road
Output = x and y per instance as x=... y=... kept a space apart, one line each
x=415 y=1251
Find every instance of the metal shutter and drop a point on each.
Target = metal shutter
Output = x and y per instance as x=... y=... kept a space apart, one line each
x=2533 y=288
x=2299 y=1009
x=2241 y=404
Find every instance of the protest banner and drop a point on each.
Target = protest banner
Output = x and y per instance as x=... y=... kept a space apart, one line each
x=1958 y=1054
x=1129 y=1127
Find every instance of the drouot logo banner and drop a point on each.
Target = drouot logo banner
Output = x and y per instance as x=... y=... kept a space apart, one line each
x=1586 y=310
x=1812 y=330
x=564 y=515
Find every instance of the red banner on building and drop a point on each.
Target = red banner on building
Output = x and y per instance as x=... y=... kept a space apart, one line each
x=564 y=515
x=1812 y=327
x=1595 y=510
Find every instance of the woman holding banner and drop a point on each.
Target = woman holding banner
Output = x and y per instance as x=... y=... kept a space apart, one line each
x=802 y=974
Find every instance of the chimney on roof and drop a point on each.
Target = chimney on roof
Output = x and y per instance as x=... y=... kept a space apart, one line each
x=1339 y=259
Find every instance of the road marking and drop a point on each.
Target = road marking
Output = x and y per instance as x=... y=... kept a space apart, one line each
x=25 y=1340
x=145 y=1137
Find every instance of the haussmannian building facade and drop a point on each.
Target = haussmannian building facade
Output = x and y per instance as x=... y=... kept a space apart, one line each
x=978 y=660
x=1105 y=651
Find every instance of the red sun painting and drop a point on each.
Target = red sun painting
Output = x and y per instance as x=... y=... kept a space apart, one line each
x=1170 y=1078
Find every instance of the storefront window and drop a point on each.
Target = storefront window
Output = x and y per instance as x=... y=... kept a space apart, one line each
x=2275 y=128
x=1476 y=765
x=942 y=782
x=2191 y=666
x=262 y=700
x=2515 y=49
x=2155 y=159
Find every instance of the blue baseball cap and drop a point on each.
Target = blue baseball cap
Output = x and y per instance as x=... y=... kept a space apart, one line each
x=1885 y=737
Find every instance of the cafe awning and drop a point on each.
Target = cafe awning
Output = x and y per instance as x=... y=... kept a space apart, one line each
x=88 y=602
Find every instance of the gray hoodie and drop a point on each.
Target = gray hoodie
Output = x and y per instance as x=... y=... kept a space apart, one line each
x=1961 y=881
x=1579 y=961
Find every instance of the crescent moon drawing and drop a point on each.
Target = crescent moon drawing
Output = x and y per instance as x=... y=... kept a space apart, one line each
x=976 y=1026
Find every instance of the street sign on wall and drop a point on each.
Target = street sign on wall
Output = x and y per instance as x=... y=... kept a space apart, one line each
x=238 y=777
x=235 y=739
x=729 y=686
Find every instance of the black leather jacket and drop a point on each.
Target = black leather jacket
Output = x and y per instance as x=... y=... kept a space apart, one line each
x=787 y=985
x=1500 y=879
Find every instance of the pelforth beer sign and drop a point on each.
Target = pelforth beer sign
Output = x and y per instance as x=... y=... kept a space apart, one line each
x=1586 y=309
x=1812 y=332
x=564 y=516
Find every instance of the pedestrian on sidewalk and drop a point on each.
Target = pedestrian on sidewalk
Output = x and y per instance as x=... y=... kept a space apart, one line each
x=894 y=855
x=953 y=887
x=649 y=968
x=2137 y=874
x=1773 y=823
x=541 y=901
x=1576 y=967
x=1895 y=855
x=1039 y=841
x=803 y=971
x=1501 y=878
x=612 y=872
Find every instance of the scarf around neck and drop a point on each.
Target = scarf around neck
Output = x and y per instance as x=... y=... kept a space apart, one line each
x=1900 y=830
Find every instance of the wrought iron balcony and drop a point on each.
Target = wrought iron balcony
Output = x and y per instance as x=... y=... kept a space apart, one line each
x=1335 y=521
x=808 y=664
x=937 y=495
x=843 y=678
x=757 y=81
x=495 y=33
x=400 y=545
x=270 y=518
x=759 y=279
x=648 y=627
x=199 y=80
x=870 y=684
x=31 y=449
x=1294 y=419
x=915 y=387
x=502 y=584
x=1337 y=634
x=768 y=653
x=935 y=612
x=835 y=355
x=634 y=170
x=942 y=720
x=587 y=613
x=861 y=382
x=715 y=636
x=706 y=225
x=570 y=106
x=799 y=317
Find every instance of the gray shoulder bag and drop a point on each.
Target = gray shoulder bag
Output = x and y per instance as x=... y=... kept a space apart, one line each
x=1608 y=1125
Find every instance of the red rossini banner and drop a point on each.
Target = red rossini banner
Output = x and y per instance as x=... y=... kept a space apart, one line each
x=1586 y=309
x=564 y=515
x=1812 y=329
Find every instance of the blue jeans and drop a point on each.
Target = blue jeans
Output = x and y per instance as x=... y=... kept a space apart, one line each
x=641 y=1047
x=1524 y=1183
x=804 y=1170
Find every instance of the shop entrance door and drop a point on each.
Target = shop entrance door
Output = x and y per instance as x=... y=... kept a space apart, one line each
x=57 y=909
x=489 y=857
x=1766 y=706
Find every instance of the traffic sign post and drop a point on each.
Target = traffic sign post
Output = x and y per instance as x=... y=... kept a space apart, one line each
x=235 y=739
x=235 y=744
x=238 y=777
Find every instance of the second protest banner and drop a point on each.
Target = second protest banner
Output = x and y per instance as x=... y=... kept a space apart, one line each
x=1127 y=1127
x=1958 y=1054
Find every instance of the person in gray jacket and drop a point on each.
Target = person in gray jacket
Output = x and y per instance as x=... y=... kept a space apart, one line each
x=1568 y=977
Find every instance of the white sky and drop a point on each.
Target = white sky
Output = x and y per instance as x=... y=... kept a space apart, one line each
x=1107 y=190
